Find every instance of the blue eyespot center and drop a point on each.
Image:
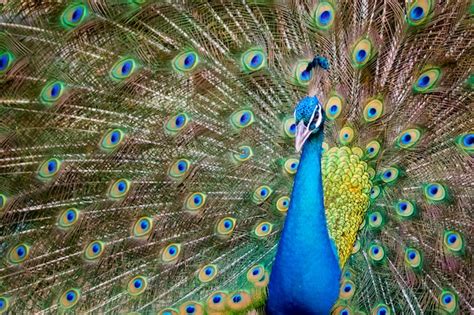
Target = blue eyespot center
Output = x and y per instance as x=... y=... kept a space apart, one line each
x=52 y=166
x=388 y=174
x=179 y=121
x=121 y=186
x=77 y=14
x=95 y=248
x=347 y=288
x=256 y=61
x=374 y=217
x=447 y=299
x=469 y=140
x=424 y=81
x=293 y=128
x=2 y=303
x=181 y=166
x=433 y=190
x=4 y=61
x=216 y=299
x=237 y=298
x=333 y=109
x=452 y=239
x=208 y=271
x=264 y=228
x=255 y=272
x=20 y=251
x=372 y=112
x=411 y=255
x=55 y=89
x=70 y=215
x=227 y=224
x=70 y=296
x=263 y=192
x=144 y=224
x=382 y=311
x=344 y=312
x=375 y=250
x=371 y=150
x=325 y=17
x=403 y=206
x=305 y=75
x=244 y=118
x=197 y=199
x=406 y=138
x=172 y=250
x=189 y=60
x=417 y=13
x=190 y=309
x=285 y=203
x=114 y=137
x=137 y=283
x=361 y=55
x=126 y=67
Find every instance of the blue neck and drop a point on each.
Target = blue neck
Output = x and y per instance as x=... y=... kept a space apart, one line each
x=305 y=276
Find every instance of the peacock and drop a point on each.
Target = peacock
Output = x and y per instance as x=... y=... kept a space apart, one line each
x=236 y=157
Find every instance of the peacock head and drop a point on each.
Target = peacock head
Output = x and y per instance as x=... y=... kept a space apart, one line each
x=309 y=118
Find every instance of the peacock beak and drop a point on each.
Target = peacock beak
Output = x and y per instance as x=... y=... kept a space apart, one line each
x=302 y=134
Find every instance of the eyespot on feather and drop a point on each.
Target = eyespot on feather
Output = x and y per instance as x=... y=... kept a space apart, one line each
x=185 y=61
x=6 y=61
x=362 y=52
x=245 y=152
x=390 y=175
x=119 y=188
x=427 y=81
x=253 y=59
x=376 y=253
x=3 y=201
x=217 y=301
x=381 y=309
x=195 y=201
x=94 y=250
x=419 y=12
x=409 y=138
x=68 y=218
x=346 y=135
x=448 y=301
x=282 y=204
x=413 y=258
x=142 y=227
x=49 y=168
x=176 y=123
x=18 y=254
x=435 y=192
x=242 y=119
x=261 y=194
x=405 y=209
x=372 y=149
x=123 y=69
x=239 y=300
x=112 y=139
x=373 y=110
x=4 y=304
x=179 y=168
x=70 y=298
x=302 y=77
x=333 y=108
x=168 y=311
x=376 y=220
x=52 y=92
x=137 y=285
x=466 y=142
x=191 y=308
x=263 y=229
x=323 y=16
x=289 y=127
x=225 y=226
x=171 y=253
x=291 y=166
x=453 y=242
x=74 y=15
x=347 y=290
x=207 y=273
